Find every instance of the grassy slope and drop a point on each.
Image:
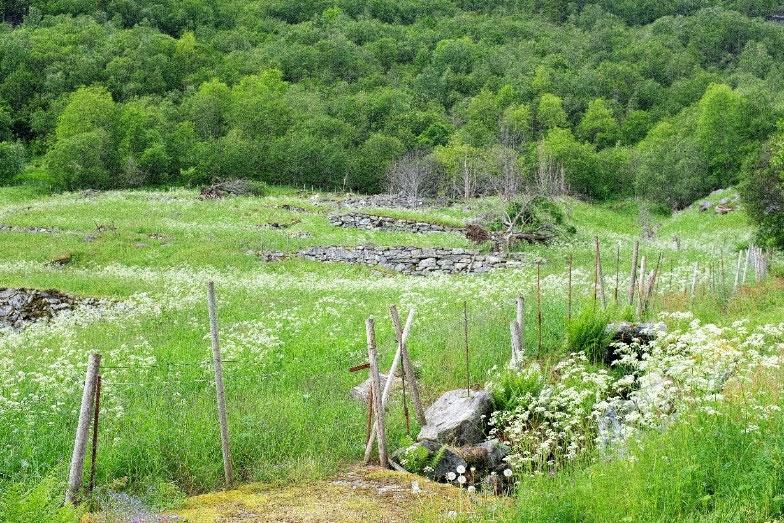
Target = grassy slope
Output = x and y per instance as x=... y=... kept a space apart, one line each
x=293 y=327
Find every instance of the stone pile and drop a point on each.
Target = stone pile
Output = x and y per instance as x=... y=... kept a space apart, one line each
x=369 y=222
x=412 y=260
x=18 y=307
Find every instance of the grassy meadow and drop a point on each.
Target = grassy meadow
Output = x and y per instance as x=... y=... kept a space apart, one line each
x=290 y=330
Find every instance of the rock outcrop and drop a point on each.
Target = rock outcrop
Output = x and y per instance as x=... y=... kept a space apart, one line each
x=18 y=307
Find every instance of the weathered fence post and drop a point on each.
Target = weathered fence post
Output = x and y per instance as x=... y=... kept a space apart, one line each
x=375 y=385
x=599 y=274
x=694 y=278
x=220 y=394
x=641 y=290
x=569 y=293
x=401 y=334
x=633 y=278
x=737 y=272
x=82 y=429
x=539 y=306
x=465 y=336
x=617 y=269
x=94 y=448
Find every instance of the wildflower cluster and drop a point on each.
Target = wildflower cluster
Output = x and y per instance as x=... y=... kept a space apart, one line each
x=583 y=406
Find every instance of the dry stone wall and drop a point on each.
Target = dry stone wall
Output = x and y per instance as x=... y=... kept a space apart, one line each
x=412 y=260
x=369 y=221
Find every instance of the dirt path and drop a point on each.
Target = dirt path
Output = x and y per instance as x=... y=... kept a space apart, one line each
x=358 y=494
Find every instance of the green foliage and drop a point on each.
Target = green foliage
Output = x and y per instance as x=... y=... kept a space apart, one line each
x=12 y=160
x=329 y=95
x=42 y=501
x=762 y=190
x=587 y=333
x=512 y=388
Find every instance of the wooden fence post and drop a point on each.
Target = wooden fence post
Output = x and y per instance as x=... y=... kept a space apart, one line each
x=633 y=277
x=539 y=306
x=641 y=290
x=401 y=334
x=599 y=273
x=617 y=269
x=737 y=272
x=82 y=429
x=94 y=448
x=520 y=317
x=375 y=385
x=220 y=394
x=694 y=278
x=569 y=293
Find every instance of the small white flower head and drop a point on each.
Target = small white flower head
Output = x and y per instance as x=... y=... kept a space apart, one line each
x=450 y=476
x=460 y=469
x=508 y=473
x=473 y=469
x=471 y=489
x=415 y=487
x=461 y=479
x=451 y=514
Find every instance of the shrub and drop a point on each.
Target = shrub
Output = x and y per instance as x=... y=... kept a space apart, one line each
x=512 y=388
x=22 y=503
x=587 y=333
x=763 y=191
x=12 y=158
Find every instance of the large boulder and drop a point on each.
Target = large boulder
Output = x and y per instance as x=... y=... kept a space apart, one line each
x=457 y=418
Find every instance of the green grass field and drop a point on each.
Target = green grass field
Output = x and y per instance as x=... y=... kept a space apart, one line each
x=289 y=329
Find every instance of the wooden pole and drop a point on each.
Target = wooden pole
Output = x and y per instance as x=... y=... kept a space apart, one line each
x=408 y=367
x=539 y=307
x=375 y=384
x=82 y=428
x=401 y=334
x=569 y=298
x=520 y=316
x=633 y=278
x=465 y=336
x=599 y=273
x=745 y=266
x=219 y=391
x=737 y=272
x=617 y=269
x=514 y=328
x=94 y=448
x=641 y=291
x=694 y=278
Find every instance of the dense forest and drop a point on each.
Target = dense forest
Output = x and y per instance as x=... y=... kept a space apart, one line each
x=667 y=99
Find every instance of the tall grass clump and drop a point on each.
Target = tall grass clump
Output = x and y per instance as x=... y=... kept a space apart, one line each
x=40 y=501
x=588 y=333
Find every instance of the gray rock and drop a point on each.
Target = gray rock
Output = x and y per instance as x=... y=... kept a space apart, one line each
x=496 y=452
x=362 y=391
x=456 y=418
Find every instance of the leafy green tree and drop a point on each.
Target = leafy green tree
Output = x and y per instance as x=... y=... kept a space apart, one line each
x=82 y=161
x=550 y=112
x=371 y=161
x=598 y=124
x=12 y=160
x=208 y=108
x=762 y=190
x=259 y=107
x=721 y=123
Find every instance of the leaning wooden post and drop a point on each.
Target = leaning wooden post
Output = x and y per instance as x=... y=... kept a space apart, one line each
x=633 y=278
x=375 y=385
x=539 y=306
x=737 y=272
x=465 y=336
x=82 y=429
x=641 y=291
x=216 y=359
x=599 y=273
x=520 y=317
x=569 y=293
x=617 y=269
x=401 y=357
x=745 y=266
x=94 y=448
x=694 y=278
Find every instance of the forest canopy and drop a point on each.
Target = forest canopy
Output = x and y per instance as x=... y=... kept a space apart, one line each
x=667 y=100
